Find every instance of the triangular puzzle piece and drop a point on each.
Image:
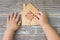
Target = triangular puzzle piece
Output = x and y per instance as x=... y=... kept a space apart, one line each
x=26 y=9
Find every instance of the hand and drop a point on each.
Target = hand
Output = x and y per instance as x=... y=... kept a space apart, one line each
x=41 y=18
x=13 y=22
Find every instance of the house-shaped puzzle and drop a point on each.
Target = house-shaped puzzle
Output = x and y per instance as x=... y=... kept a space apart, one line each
x=26 y=9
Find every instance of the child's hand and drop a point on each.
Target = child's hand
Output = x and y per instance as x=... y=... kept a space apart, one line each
x=41 y=18
x=13 y=22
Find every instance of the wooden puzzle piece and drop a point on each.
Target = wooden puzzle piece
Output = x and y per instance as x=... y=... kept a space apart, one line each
x=29 y=16
x=26 y=20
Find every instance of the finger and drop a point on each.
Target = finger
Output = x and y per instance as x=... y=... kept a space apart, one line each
x=19 y=23
x=37 y=16
x=44 y=13
x=11 y=16
x=8 y=18
x=40 y=13
x=36 y=20
x=15 y=15
x=17 y=18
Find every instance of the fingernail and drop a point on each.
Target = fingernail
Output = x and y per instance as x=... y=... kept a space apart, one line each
x=36 y=17
x=39 y=14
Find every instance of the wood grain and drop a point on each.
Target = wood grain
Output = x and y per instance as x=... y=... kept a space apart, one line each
x=51 y=7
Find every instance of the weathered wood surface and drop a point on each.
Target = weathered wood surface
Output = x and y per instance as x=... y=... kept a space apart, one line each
x=51 y=7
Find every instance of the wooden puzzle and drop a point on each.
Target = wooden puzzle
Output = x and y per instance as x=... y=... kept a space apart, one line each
x=28 y=14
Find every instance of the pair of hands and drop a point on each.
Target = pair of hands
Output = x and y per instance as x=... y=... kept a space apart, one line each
x=14 y=21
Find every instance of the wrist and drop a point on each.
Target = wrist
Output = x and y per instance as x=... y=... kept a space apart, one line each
x=45 y=25
x=10 y=31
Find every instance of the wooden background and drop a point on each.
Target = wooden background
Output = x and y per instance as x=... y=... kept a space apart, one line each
x=51 y=7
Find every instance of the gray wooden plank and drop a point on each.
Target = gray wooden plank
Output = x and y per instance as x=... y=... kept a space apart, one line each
x=32 y=30
x=50 y=3
x=53 y=20
x=50 y=6
x=29 y=37
x=7 y=6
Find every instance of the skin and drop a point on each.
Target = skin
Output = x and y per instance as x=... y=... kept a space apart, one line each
x=13 y=25
x=51 y=34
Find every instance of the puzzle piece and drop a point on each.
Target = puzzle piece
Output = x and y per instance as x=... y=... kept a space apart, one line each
x=29 y=16
x=26 y=16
